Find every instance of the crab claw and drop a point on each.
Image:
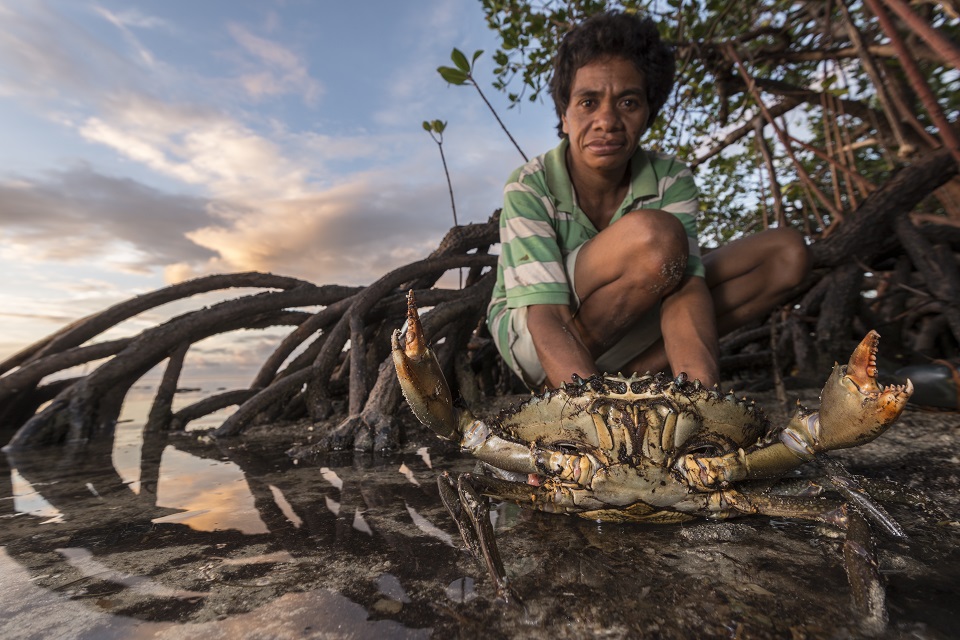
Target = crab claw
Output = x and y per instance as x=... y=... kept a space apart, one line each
x=854 y=409
x=421 y=378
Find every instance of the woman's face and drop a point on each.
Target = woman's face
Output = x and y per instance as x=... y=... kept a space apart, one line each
x=607 y=114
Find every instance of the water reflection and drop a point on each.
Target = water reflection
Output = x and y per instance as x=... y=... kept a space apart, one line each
x=27 y=500
x=33 y=612
x=127 y=445
x=285 y=507
x=211 y=495
x=429 y=528
x=182 y=531
x=462 y=590
x=84 y=562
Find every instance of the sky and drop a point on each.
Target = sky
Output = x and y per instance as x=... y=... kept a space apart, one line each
x=145 y=142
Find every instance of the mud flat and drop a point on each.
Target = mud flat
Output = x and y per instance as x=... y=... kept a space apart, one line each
x=178 y=537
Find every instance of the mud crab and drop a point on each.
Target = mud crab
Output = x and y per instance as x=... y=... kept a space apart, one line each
x=641 y=448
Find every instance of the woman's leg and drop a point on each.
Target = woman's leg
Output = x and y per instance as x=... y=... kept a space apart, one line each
x=747 y=278
x=625 y=271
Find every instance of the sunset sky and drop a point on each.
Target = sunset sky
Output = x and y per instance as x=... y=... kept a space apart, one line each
x=146 y=142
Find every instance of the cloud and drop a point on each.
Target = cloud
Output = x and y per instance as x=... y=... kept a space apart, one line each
x=352 y=233
x=42 y=54
x=276 y=199
x=271 y=69
x=131 y=19
x=196 y=144
x=57 y=318
x=79 y=214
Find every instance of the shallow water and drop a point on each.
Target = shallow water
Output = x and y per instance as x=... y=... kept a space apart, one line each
x=199 y=539
x=177 y=536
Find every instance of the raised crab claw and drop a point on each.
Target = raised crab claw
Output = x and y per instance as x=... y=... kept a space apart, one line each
x=640 y=448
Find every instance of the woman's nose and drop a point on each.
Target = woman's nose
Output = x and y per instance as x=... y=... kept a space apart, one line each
x=606 y=116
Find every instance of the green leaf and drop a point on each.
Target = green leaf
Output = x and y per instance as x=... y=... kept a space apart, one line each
x=426 y=126
x=439 y=126
x=460 y=60
x=453 y=76
x=476 y=54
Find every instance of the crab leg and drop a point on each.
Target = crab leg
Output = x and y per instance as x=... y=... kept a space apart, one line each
x=851 y=489
x=860 y=560
x=471 y=511
x=824 y=510
x=863 y=573
x=552 y=497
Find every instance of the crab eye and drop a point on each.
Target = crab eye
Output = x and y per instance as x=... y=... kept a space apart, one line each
x=706 y=445
x=704 y=451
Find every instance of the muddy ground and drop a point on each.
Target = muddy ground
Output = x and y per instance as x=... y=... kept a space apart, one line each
x=356 y=546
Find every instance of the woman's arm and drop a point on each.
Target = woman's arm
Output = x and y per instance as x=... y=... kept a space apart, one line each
x=688 y=325
x=559 y=347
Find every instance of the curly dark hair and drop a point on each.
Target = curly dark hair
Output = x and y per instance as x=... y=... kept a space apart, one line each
x=617 y=34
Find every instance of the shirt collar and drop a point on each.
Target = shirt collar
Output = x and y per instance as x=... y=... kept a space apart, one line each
x=643 y=185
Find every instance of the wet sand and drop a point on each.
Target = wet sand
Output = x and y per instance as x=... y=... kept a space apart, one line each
x=182 y=537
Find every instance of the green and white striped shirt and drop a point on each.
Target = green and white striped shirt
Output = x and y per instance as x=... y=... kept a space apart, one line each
x=541 y=224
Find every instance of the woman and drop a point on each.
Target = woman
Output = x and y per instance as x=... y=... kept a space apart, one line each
x=600 y=268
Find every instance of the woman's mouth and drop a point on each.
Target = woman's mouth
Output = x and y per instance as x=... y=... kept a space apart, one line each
x=605 y=147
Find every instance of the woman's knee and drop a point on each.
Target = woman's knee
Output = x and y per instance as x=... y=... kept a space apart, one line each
x=789 y=257
x=656 y=242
